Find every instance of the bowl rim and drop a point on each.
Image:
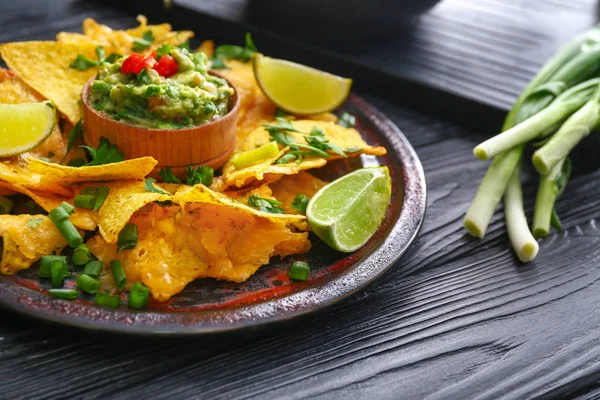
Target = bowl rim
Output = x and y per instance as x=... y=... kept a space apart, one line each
x=233 y=105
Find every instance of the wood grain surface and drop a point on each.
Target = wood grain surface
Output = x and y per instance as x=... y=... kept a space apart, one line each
x=456 y=318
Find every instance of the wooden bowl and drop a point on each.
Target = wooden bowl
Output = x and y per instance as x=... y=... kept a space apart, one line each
x=211 y=144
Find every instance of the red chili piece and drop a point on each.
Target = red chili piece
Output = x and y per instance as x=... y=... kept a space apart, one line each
x=166 y=66
x=136 y=62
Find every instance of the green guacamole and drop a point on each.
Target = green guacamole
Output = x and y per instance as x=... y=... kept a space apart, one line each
x=189 y=97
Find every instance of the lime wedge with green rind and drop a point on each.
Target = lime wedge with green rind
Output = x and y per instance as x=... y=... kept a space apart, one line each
x=25 y=126
x=299 y=89
x=348 y=211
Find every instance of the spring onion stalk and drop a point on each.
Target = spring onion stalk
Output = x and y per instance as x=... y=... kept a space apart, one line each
x=58 y=271
x=544 y=202
x=46 y=264
x=128 y=237
x=490 y=192
x=299 y=271
x=522 y=241
x=568 y=52
x=560 y=109
x=577 y=127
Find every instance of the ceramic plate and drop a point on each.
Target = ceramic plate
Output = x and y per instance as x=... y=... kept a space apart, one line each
x=207 y=305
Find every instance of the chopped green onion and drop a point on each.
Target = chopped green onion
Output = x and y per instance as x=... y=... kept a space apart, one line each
x=70 y=233
x=251 y=157
x=81 y=255
x=118 y=274
x=46 y=264
x=299 y=271
x=100 y=197
x=67 y=207
x=84 y=201
x=65 y=294
x=58 y=271
x=138 y=296
x=107 y=300
x=128 y=237
x=6 y=205
x=300 y=203
x=89 y=191
x=58 y=215
x=93 y=268
x=88 y=284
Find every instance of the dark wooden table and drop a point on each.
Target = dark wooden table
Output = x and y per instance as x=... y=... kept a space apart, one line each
x=456 y=318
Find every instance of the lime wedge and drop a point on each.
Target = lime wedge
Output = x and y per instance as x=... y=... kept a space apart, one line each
x=251 y=157
x=299 y=89
x=349 y=210
x=25 y=126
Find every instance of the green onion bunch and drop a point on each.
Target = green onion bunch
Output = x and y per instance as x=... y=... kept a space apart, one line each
x=557 y=109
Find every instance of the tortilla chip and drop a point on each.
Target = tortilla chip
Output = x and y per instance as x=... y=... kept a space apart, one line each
x=25 y=242
x=121 y=42
x=45 y=67
x=82 y=218
x=134 y=169
x=255 y=107
x=207 y=47
x=289 y=186
x=123 y=200
x=14 y=91
x=267 y=171
x=211 y=237
x=15 y=174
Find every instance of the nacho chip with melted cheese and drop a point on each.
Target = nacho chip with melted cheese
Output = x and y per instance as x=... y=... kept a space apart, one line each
x=25 y=239
x=348 y=139
x=82 y=218
x=123 y=200
x=122 y=41
x=14 y=172
x=207 y=235
x=14 y=91
x=44 y=66
x=134 y=169
x=288 y=187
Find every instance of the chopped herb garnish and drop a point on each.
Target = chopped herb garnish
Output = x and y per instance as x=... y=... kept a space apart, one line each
x=286 y=158
x=93 y=268
x=76 y=162
x=282 y=125
x=278 y=133
x=107 y=300
x=83 y=63
x=149 y=186
x=100 y=197
x=74 y=134
x=279 y=113
x=347 y=120
x=203 y=175
x=88 y=284
x=352 y=149
x=185 y=45
x=265 y=205
x=216 y=63
x=106 y=153
x=167 y=175
x=34 y=222
x=163 y=50
x=317 y=139
x=229 y=51
x=300 y=203
x=144 y=43
x=64 y=294
x=81 y=255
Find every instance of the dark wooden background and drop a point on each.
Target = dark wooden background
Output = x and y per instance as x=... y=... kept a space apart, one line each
x=456 y=318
